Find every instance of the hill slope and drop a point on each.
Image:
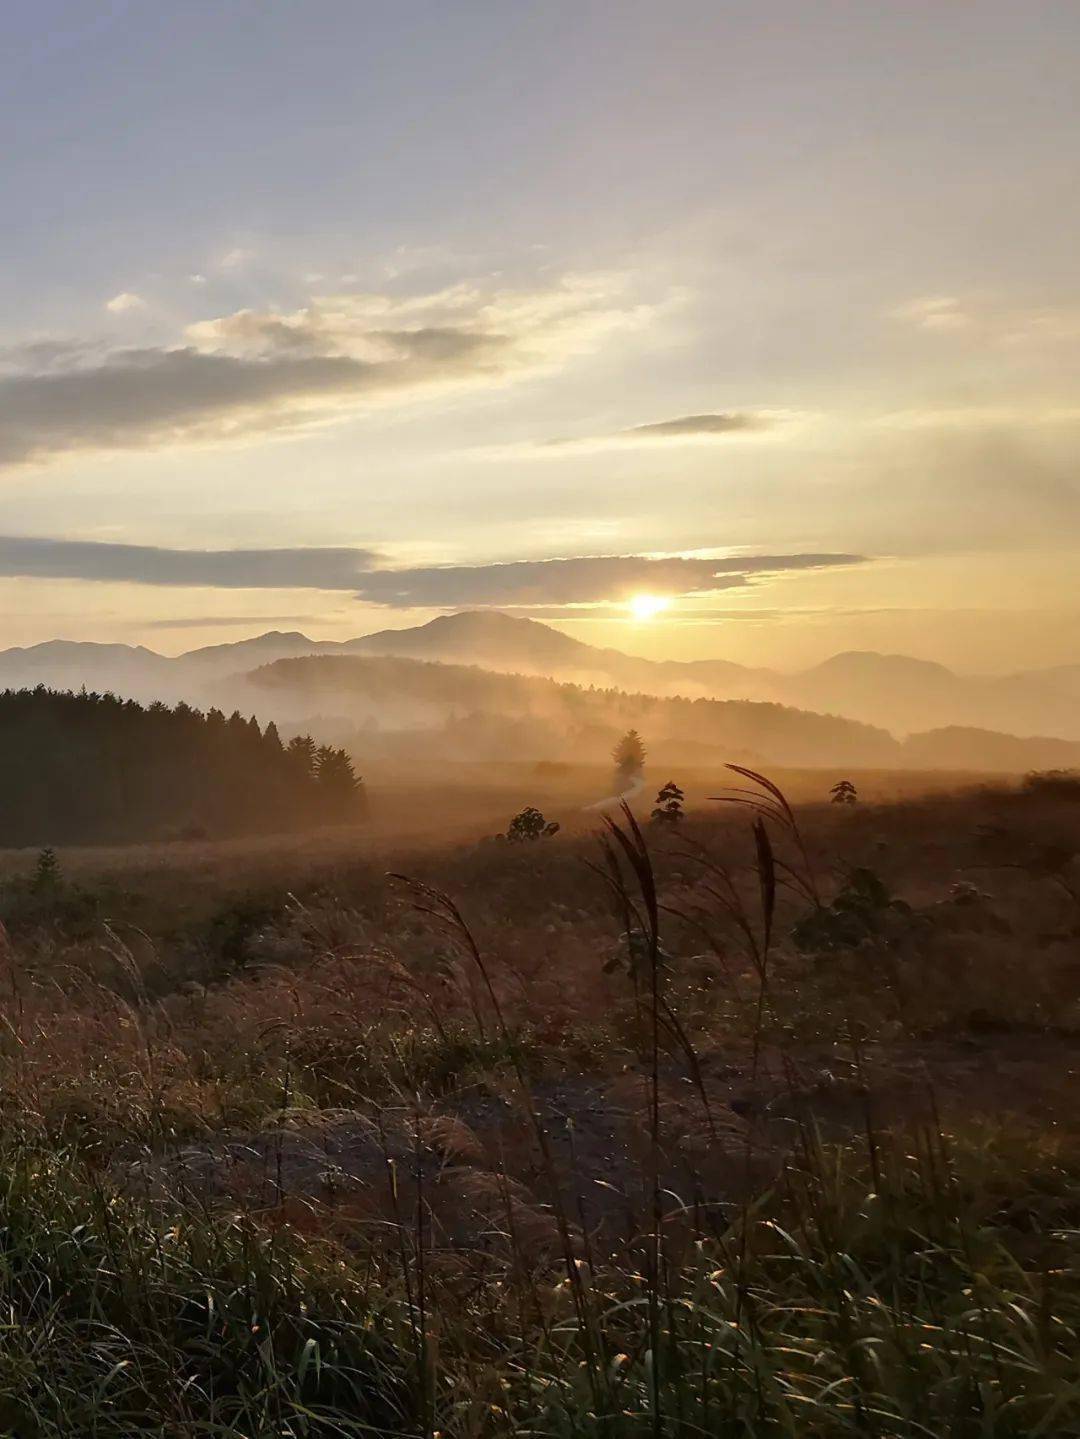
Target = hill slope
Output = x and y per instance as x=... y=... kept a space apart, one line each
x=465 y=712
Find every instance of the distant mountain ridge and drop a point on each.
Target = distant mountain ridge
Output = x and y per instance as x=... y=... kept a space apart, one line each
x=896 y=692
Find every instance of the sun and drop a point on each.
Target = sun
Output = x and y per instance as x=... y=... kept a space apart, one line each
x=644 y=607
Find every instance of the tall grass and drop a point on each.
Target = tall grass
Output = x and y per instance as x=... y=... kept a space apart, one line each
x=941 y=1298
x=922 y=1280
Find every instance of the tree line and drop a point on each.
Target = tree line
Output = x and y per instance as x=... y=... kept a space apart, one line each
x=91 y=768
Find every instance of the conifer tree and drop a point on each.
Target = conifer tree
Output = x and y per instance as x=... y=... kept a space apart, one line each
x=629 y=756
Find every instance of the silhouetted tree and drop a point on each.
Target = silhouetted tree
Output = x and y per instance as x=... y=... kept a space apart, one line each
x=844 y=792
x=629 y=757
x=669 y=804
x=337 y=781
x=301 y=751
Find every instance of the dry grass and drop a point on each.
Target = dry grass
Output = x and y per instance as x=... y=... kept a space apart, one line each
x=294 y=1149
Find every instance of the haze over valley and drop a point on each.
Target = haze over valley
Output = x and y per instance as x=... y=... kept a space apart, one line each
x=854 y=709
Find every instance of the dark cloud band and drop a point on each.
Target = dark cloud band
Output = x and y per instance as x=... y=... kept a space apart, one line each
x=146 y=397
x=588 y=579
x=305 y=569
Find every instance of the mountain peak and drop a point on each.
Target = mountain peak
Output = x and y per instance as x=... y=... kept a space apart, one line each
x=873 y=662
x=479 y=636
x=487 y=622
x=270 y=639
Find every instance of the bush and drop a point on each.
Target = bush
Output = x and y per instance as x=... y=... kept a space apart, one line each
x=530 y=825
x=669 y=804
x=862 y=911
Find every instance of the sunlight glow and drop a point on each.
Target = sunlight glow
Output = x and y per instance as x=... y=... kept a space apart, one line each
x=644 y=607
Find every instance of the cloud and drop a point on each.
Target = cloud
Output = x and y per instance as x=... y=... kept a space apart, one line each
x=693 y=429
x=581 y=580
x=255 y=373
x=588 y=579
x=315 y=569
x=124 y=302
x=701 y=425
x=708 y=429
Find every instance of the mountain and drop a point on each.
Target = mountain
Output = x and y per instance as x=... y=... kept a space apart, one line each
x=894 y=692
x=70 y=665
x=520 y=646
x=139 y=673
x=230 y=659
x=486 y=637
x=960 y=747
x=911 y=695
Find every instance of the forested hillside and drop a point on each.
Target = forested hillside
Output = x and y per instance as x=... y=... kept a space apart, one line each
x=467 y=712
x=92 y=768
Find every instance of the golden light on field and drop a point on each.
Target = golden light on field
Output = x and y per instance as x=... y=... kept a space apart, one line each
x=644 y=607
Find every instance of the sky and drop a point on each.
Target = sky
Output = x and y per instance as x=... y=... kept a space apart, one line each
x=701 y=329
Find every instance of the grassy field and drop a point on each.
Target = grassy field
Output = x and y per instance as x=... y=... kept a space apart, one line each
x=759 y=1124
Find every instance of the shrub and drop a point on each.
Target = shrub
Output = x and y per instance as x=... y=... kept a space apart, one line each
x=862 y=911
x=530 y=825
x=669 y=804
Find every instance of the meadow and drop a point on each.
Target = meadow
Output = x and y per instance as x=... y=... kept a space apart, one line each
x=760 y=1122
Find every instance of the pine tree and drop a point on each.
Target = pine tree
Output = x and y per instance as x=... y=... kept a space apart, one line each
x=338 y=782
x=629 y=756
x=46 y=874
x=302 y=750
